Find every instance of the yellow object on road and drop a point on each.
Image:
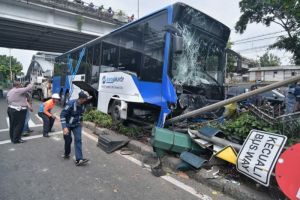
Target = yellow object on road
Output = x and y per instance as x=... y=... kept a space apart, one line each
x=228 y=154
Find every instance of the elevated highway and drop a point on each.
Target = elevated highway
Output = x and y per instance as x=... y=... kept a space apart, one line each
x=51 y=25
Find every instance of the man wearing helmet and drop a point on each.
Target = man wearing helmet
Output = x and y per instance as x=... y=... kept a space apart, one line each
x=71 y=118
x=46 y=115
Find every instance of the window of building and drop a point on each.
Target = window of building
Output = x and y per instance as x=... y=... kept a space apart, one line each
x=274 y=74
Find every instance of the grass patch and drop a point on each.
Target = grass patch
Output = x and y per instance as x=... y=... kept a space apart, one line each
x=105 y=121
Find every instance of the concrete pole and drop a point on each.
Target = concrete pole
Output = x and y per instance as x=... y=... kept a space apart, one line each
x=138 y=9
x=240 y=97
x=11 y=78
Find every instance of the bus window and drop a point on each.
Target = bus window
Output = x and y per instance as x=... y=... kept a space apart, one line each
x=153 y=49
x=109 y=57
x=130 y=50
x=96 y=65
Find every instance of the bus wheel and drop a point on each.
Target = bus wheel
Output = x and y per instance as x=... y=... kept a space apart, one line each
x=115 y=111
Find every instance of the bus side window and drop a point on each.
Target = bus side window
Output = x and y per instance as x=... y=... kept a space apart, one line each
x=130 y=60
x=154 y=40
x=109 y=57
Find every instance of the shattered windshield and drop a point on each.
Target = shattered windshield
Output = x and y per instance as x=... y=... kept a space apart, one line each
x=203 y=58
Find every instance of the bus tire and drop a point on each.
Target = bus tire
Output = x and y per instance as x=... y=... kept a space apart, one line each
x=115 y=112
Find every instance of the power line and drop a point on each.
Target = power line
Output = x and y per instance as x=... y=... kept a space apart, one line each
x=253 y=48
x=243 y=42
x=257 y=36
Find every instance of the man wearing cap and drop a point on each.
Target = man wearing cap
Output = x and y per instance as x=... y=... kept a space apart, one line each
x=17 y=108
x=46 y=115
x=71 y=118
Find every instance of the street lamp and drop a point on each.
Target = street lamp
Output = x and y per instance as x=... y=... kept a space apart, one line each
x=11 y=78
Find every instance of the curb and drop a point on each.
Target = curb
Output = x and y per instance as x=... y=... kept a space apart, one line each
x=236 y=191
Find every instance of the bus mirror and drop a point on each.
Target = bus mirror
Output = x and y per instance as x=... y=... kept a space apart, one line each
x=177 y=44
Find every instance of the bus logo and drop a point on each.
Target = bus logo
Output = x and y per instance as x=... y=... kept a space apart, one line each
x=112 y=79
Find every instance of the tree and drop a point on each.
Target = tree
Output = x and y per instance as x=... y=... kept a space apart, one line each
x=231 y=59
x=267 y=60
x=16 y=66
x=285 y=13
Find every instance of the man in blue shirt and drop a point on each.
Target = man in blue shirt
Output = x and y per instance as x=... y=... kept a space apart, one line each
x=71 y=119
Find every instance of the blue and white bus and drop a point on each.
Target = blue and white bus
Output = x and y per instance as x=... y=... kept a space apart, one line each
x=161 y=65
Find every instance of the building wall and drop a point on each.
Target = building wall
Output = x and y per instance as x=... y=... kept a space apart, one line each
x=273 y=75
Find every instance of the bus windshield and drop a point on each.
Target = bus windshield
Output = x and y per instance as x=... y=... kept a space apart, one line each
x=203 y=58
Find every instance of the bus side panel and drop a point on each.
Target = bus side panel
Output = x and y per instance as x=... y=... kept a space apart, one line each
x=56 y=84
x=117 y=84
x=150 y=91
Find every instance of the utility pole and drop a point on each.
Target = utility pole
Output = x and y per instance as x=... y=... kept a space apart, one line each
x=138 y=9
x=11 y=77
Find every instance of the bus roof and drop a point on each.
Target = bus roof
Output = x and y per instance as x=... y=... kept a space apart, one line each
x=90 y=43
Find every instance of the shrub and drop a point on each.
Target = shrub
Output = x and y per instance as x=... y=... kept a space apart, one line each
x=105 y=121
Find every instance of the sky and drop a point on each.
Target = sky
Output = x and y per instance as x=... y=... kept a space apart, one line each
x=225 y=11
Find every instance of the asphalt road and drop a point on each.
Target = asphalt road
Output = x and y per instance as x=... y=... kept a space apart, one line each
x=35 y=170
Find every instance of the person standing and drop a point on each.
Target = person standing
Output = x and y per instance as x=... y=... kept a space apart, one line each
x=26 y=129
x=71 y=118
x=17 y=108
x=290 y=99
x=46 y=115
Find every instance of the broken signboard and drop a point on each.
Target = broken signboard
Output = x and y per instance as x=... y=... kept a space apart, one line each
x=259 y=154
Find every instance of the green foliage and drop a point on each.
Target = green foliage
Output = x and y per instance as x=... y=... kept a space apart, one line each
x=99 y=118
x=16 y=66
x=242 y=126
x=285 y=13
x=267 y=60
x=79 y=20
x=105 y=121
x=231 y=60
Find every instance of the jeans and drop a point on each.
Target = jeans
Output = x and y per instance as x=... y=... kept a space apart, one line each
x=48 y=123
x=68 y=140
x=16 y=123
x=26 y=126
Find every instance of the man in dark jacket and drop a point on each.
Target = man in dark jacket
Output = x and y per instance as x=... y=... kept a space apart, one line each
x=71 y=119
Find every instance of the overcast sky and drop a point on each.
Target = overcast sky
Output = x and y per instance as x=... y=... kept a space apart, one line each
x=226 y=11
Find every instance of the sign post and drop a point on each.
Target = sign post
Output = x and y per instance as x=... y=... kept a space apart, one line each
x=259 y=154
x=287 y=172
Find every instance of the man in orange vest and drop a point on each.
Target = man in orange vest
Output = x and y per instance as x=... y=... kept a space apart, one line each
x=46 y=115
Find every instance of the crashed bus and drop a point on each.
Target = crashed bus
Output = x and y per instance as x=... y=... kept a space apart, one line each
x=167 y=63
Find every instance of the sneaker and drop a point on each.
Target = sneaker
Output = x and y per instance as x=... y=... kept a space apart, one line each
x=65 y=156
x=47 y=136
x=81 y=162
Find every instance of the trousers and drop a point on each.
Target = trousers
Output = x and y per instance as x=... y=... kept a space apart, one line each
x=47 y=123
x=16 y=123
x=77 y=144
x=26 y=126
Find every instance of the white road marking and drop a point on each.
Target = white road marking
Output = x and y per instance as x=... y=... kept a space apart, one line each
x=31 y=137
x=170 y=179
x=31 y=123
x=3 y=130
x=39 y=117
x=7 y=121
